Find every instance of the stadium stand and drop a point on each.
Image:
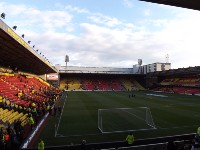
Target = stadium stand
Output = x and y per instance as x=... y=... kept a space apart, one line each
x=70 y=84
x=96 y=82
x=127 y=84
x=88 y=84
x=19 y=95
x=181 y=85
x=181 y=81
x=117 y=85
x=63 y=84
x=103 y=85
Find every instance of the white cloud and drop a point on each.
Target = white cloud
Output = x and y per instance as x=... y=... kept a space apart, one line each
x=106 y=40
x=105 y=20
x=128 y=3
x=147 y=12
x=30 y=17
x=76 y=9
x=180 y=39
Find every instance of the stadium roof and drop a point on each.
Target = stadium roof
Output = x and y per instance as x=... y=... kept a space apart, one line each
x=15 y=52
x=191 y=4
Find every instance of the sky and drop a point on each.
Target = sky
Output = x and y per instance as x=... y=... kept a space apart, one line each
x=107 y=33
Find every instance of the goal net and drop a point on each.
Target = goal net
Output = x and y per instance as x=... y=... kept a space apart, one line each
x=125 y=119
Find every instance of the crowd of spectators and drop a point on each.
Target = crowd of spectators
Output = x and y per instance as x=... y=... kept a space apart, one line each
x=40 y=98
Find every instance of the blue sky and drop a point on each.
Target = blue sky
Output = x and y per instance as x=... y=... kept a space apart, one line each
x=107 y=33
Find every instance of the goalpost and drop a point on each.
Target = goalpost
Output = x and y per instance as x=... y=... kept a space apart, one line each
x=125 y=119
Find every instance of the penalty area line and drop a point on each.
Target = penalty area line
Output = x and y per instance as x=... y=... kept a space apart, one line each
x=77 y=135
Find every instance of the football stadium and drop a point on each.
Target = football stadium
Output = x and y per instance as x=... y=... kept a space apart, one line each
x=70 y=107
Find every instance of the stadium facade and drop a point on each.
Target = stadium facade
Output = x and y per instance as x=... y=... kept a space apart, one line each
x=137 y=69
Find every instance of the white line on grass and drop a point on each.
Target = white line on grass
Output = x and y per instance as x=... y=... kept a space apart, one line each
x=146 y=129
x=134 y=115
x=120 y=108
x=139 y=118
x=124 y=109
x=60 y=116
x=158 y=95
x=76 y=135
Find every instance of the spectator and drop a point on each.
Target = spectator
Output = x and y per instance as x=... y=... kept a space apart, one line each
x=15 y=141
x=6 y=139
x=130 y=138
x=47 y=106
x=41 y=145
x=198 y=131
x=197 y=135
x=195 y=145
x=34 y=110
x=83 y=146
x=31 y=122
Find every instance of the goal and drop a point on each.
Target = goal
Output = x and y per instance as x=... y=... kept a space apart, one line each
x=125 y=119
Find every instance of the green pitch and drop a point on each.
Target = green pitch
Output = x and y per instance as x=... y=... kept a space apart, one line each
x=171 y=114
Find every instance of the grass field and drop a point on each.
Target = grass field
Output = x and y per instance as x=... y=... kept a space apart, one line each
x=172 y=114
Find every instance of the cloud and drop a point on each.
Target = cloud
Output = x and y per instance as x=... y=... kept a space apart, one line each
x=111 y=46
x=76 y=9
x=106 y=41
x=147 y=12
x=128 y=3
x=30 y=17
x=104 y=20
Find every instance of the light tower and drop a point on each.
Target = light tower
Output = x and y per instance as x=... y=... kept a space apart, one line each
x=66 y=59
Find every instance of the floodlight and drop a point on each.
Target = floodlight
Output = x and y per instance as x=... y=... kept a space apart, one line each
x=37 y=50
x=3 y=15
x=14 y=27
x=33 y=46
x=29 y=42
x=23 y=35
